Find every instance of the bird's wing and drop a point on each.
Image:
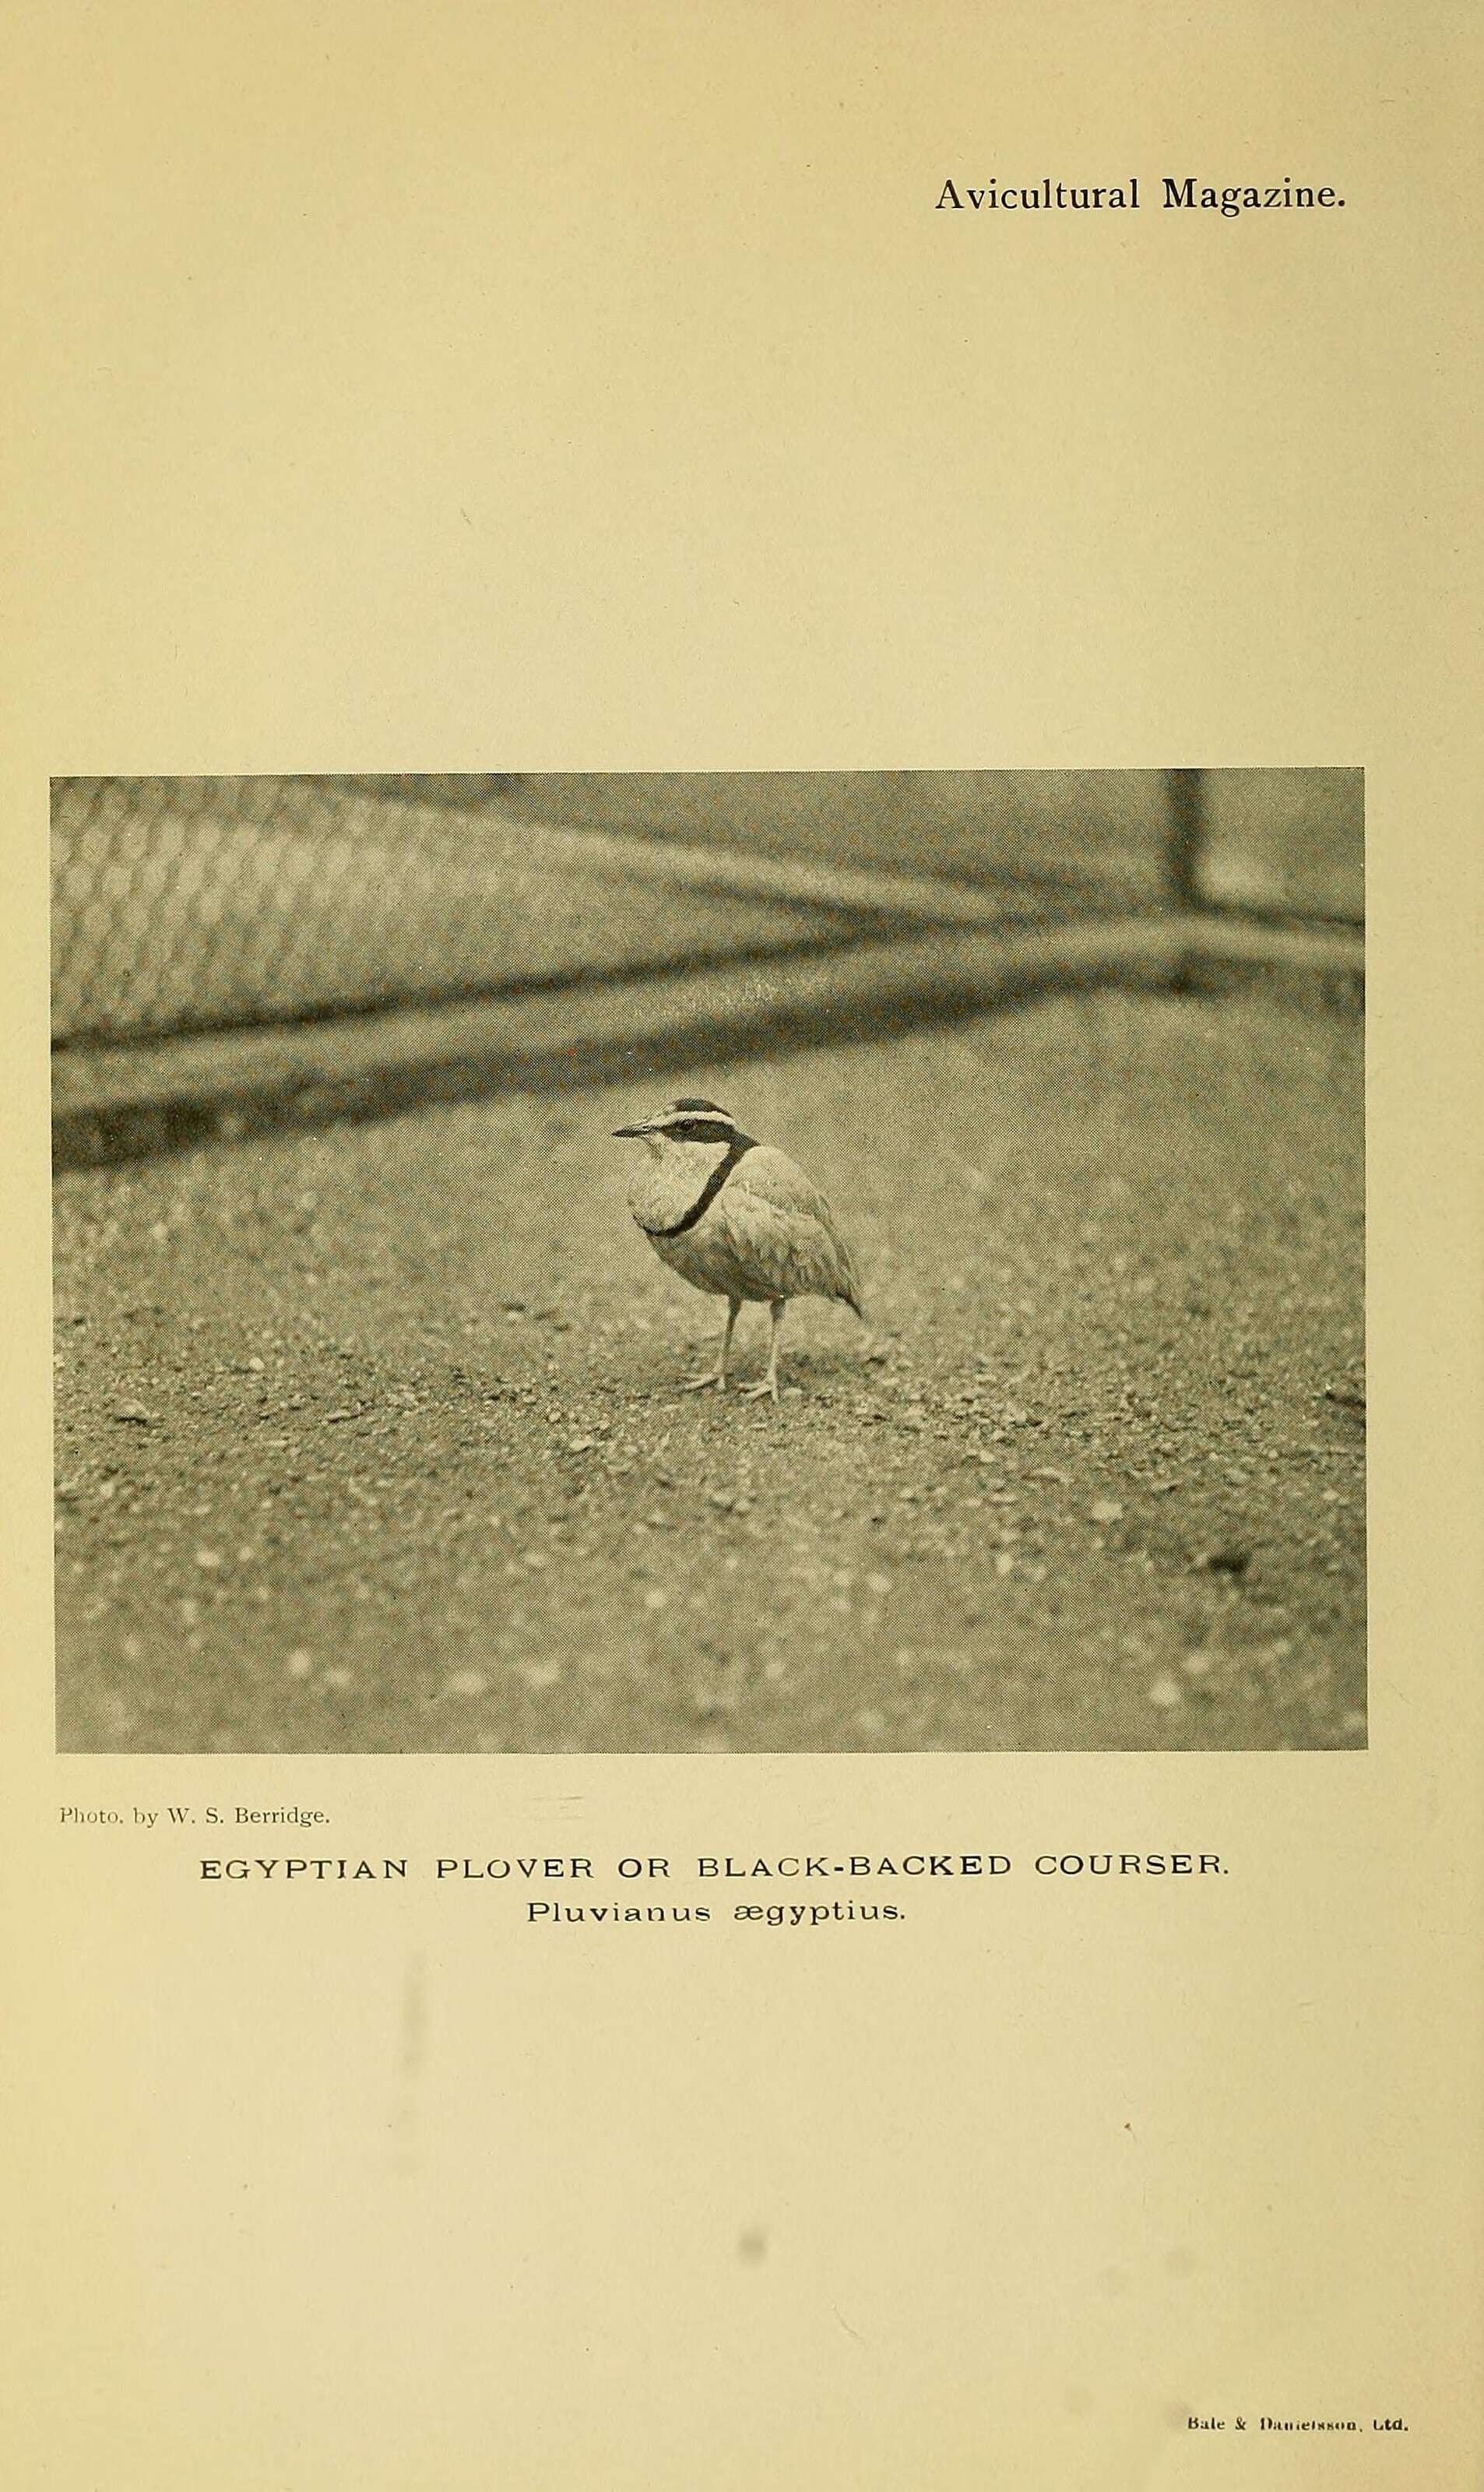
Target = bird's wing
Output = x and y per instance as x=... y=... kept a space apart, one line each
x=776 y=1178
x=783 y=1217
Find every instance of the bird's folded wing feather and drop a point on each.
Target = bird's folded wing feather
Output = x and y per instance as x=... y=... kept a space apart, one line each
x=785 y=1225
x=775 y=1178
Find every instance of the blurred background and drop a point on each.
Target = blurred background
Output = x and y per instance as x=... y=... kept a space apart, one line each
x=206 y=903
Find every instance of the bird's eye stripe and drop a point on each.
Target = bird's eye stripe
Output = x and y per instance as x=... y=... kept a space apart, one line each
x=699 y=1128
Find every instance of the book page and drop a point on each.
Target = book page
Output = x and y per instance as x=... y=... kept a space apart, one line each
x=782 y=690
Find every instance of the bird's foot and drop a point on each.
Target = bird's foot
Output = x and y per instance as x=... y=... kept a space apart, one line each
x=699 y=1383
x=756 y=1392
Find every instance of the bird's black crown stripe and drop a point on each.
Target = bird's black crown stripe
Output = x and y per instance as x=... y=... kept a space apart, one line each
x=741 y=1144
x=709 y=1105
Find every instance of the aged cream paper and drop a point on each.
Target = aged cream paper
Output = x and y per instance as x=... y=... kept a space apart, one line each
x=467 y=388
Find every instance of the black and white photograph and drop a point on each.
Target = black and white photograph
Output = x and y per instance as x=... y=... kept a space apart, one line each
x=710 y=1262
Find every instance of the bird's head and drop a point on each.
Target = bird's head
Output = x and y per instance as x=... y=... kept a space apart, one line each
x=697 y=1127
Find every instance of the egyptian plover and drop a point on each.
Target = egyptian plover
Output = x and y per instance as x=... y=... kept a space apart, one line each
x=736 y=1218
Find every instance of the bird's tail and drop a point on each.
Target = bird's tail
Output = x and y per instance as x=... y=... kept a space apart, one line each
x=847 y=1288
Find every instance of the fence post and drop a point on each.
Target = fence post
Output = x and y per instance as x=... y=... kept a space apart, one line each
x=1185 y=849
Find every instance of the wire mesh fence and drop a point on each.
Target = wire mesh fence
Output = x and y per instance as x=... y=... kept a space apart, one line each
x=191 y=904
x=210 y=903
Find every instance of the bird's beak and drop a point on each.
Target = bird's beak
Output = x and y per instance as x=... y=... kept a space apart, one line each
x=629 y=1133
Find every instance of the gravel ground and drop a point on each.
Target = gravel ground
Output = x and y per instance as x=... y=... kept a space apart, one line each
x=372 y=1440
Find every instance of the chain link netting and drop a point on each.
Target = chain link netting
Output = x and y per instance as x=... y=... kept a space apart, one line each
x=190 y=905
x=195 y=904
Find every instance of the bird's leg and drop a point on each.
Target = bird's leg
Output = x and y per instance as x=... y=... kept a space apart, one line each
x=718 y=1374
x=769 y=1383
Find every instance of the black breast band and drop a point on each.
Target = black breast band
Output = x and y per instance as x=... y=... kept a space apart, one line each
x=740 y=1145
